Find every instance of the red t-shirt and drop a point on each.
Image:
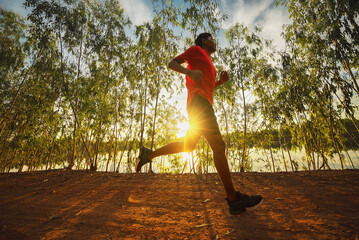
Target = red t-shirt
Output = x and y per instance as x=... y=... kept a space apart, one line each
x=198 y=59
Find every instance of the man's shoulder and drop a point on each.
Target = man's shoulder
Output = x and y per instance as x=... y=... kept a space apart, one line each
x=195 y=49
x=192 y=53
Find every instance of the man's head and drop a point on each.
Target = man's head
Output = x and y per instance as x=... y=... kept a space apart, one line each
x=205 y=41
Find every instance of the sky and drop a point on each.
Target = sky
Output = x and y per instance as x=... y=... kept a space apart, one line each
x=263 y=13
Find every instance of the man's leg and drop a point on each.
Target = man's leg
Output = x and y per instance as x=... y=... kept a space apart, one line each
x=188 y=145
x=220 y=161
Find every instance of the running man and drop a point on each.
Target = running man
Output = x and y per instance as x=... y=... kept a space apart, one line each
x=200 y=83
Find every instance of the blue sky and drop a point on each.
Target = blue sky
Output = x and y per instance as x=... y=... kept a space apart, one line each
x=250 y=12
x=14 y=5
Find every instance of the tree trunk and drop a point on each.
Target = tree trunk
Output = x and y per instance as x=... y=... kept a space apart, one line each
x=3 y=161
x=11 y=161
x=207 y=156
x=271 y=155
x=143 y=117
x=95 y=162
x=281 y=147
x=193 y=163
x=22 y=164
x=31 y=163
x=351 y=74
x=80 y=159
x=48 y=157
x=350 y=159
x=352 y=117
x=154 y=118
x=351 y=136
x=72 y=158
x=325 y=160
x=13 y=101
x=308 y=149
x=227 y=134
x=313 y=158
x=116 y=136
x=123 y=149
x=331 y=126
x=115 y=150
x=290 y=157
x=65 y=89
x=109 y=153
x=244 y=155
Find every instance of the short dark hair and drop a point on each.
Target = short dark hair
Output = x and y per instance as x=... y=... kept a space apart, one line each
x=198 y=40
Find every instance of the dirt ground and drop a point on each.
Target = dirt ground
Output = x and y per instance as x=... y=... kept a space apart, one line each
x=64 y=204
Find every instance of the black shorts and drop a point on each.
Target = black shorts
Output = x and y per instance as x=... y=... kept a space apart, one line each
x=202 y=120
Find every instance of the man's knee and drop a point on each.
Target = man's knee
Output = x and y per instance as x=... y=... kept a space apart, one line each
x=190 y=142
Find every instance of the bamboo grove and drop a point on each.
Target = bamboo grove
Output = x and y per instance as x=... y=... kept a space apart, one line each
x=81 y=87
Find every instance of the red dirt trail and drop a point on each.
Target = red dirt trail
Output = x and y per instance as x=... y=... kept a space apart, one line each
x=63 y=204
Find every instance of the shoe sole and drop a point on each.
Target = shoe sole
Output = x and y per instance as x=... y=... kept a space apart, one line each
x=138 y=162
x=248 y=209
x=238 y=212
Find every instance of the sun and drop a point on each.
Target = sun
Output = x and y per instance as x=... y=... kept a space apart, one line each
x=188 y=158
x=182 y=129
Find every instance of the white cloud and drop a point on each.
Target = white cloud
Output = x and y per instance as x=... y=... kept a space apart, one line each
x=15 y=6
x=258 y=12
x=137 y=11
x=247 y=12
x=272 y=25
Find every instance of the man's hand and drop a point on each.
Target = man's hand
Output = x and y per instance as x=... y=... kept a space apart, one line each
x=175 y=65
x=223 y=77
x=195 y=75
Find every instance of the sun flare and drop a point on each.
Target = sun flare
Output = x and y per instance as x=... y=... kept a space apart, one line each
x=182 y=129
x=189 y=160
x=186 y=156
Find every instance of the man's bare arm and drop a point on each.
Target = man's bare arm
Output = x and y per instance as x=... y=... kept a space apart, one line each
x=175 y=65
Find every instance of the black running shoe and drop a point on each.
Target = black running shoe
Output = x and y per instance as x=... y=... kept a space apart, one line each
x=244 y=203
x=143 y=158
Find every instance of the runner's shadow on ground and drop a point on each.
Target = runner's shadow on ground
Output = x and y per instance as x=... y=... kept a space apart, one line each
x=244 y=226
